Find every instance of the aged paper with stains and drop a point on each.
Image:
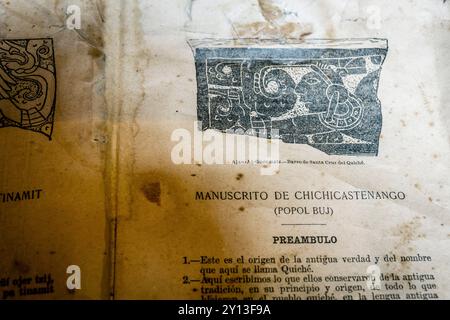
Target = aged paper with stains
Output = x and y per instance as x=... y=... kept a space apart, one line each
x=172 y=242
x=54 y=188
x=130 y=186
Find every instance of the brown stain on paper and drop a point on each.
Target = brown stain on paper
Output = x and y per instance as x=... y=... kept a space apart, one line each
x=21 y=266
x=152 y=191
x=179 y=226
x=407 y=233
x=273 y=25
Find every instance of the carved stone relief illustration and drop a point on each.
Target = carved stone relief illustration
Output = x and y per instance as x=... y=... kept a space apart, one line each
x=27 y=85
x=321 y=92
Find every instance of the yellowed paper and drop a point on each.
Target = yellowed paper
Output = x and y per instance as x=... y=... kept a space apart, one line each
x=173 y=245
x=53 y=177
x=151 y=204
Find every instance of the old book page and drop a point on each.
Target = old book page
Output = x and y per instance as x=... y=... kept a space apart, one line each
x=252 y=150
x=356 y=207
x=54 y=186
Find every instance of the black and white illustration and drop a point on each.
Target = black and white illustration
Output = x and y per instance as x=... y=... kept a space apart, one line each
x=27 y=85
x=318 y=92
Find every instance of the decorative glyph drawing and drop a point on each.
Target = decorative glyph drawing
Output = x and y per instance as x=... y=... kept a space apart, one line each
x=27 y=85
x=319 y=92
